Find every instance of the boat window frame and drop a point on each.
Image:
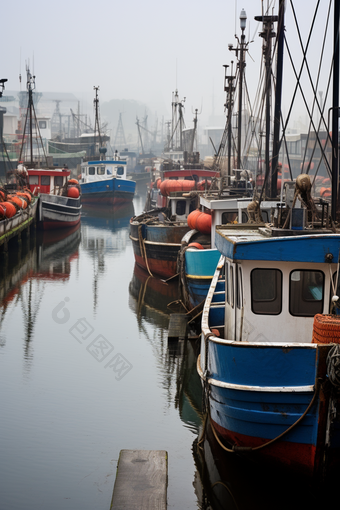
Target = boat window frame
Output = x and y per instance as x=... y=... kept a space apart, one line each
x=100 y=170
x=239 y=293
x=321 y=301
x=33 y=178
x=232 y=285
x=92 y=170
x=278 y=292
x=45 y=178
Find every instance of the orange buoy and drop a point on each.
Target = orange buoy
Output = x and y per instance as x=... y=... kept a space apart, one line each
x=26 y=195
x=158 y=182
x=73 y=181
x=326 y=329
x=171 y=185
x=195 y=245
x=22 y=204
x=203 y=223
x=325 y=192
x=73 y=192
x=192 y=217
x=10 y=209
x=215 y=332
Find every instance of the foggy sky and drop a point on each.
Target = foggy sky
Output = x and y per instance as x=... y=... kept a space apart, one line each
x=142 y=50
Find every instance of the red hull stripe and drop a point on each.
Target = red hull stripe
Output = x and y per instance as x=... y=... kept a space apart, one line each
x=301 y=457
x=163 y=268
x=49 y=225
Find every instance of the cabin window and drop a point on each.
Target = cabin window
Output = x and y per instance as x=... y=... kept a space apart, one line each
x=229 y=217
x=239 y=295
x=34 y=179
x=120 y=170
x=45 y=180
x=265 y=216
x=266 y=291
x=227 y=283
x=231 y=290
x=180 y=207
x=42 y=124
x=108 y=170
x=58 y=180
x=92 y=170
x=332 y=307
x=100 y=170
x=306 y=292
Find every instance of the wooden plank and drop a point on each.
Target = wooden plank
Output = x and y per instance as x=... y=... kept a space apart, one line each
x=141 y=481
x=177 y=326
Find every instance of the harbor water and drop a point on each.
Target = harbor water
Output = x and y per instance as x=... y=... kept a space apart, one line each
x=86 y=370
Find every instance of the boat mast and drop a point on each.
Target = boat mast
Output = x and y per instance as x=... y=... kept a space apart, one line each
x=96 y=123
x=229 y=89
x=240 y=51
x=278 y=96
x=267 y=34
x=335 y=108
x=242 y=65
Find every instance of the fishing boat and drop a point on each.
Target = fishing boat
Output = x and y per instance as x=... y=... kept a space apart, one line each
x=102 y=180
x=271 y=329
x=271 y=373
x=156 y=234
x=59 y=196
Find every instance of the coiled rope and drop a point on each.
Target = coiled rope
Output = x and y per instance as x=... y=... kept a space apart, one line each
x=333 y=365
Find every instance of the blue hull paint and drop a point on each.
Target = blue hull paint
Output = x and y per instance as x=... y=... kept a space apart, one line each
x=198 y=264
x=111 y=188
x=302 y=248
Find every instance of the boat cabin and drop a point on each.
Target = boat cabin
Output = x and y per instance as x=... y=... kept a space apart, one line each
x=47 y=181
x=276 y=284
x=181 y=207
x=231 y=210
x=92 y=171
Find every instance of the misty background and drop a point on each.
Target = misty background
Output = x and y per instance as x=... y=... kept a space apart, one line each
x=140 y=53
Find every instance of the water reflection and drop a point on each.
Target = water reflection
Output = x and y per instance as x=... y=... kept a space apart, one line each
x=227 y=481
x=25 y=271
x=105 y=234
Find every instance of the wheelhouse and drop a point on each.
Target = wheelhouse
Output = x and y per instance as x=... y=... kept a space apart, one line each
x=47 y=181
x=102 y=170
x=274 y=290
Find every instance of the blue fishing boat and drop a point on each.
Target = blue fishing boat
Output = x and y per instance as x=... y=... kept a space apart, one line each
x=270 y=344
x=102 y=180
x=105 y=181
x=272 y=388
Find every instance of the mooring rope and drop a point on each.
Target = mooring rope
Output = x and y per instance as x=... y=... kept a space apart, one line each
x=237 y=449
x=143 y=249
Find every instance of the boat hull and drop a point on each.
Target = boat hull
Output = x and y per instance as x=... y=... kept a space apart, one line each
x=161 y=243
x=200 y=267
x=110 y=191
x=257 y=392
x=56 y=211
